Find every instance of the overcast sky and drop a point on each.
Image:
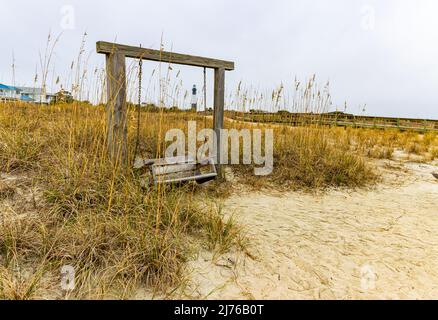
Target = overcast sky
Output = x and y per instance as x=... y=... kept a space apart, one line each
x=382 y=53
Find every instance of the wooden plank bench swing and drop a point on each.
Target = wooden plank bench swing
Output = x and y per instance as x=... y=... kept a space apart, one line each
x=166 y=170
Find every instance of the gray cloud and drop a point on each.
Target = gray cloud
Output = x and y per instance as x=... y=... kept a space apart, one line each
x=381 y=53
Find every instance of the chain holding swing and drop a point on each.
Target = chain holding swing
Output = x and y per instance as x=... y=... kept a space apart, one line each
x=140 y=72
x=205 y=99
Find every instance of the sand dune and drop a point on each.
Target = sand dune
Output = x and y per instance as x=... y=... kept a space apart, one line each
x=379 y=243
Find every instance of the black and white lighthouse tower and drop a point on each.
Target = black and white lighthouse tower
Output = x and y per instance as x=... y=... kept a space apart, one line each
x=194 y=100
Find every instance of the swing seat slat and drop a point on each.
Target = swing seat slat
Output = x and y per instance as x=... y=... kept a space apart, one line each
x=180 y=169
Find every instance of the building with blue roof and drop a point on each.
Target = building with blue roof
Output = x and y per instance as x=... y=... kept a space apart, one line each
x=9 y=92
x=26 y=94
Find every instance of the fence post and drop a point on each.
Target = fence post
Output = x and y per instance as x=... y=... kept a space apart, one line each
x=218 y=114
x=116 y=107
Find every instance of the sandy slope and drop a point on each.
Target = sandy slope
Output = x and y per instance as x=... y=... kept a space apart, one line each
x=378 y=243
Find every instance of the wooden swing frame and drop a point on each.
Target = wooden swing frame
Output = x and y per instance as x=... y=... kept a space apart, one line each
x=116 y=91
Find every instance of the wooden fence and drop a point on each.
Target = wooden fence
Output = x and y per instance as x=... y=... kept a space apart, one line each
x=339 y=120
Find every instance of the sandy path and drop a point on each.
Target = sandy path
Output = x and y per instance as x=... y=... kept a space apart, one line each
x=380 y=243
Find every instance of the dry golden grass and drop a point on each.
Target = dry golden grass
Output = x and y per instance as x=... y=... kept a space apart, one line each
x=433 y=151
x=318 y=157
x=76 y=209
x=118 y=235
x=381 y=144
x=311 y=158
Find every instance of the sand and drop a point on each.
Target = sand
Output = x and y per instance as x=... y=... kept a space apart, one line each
x=379 y=243
x=376 y=243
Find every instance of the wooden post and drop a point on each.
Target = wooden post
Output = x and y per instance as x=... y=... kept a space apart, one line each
x=218 y=114
x=116 y=107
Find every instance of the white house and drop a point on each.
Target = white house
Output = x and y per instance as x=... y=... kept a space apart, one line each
x=9 y=93
x=27 y=94
x=35 y=95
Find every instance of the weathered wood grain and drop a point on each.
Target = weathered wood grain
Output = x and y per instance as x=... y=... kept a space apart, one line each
x=163 y=56
x=116 y=107
x=218 y=114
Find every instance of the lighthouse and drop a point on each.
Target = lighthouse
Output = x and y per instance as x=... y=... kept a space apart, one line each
x=194 y=100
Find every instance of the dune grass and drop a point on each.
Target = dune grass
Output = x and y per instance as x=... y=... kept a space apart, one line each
x=70 y=206
x=311 y=158
x=117 y=234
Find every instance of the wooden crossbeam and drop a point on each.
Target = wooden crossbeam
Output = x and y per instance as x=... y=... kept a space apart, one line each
x=162 y=56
